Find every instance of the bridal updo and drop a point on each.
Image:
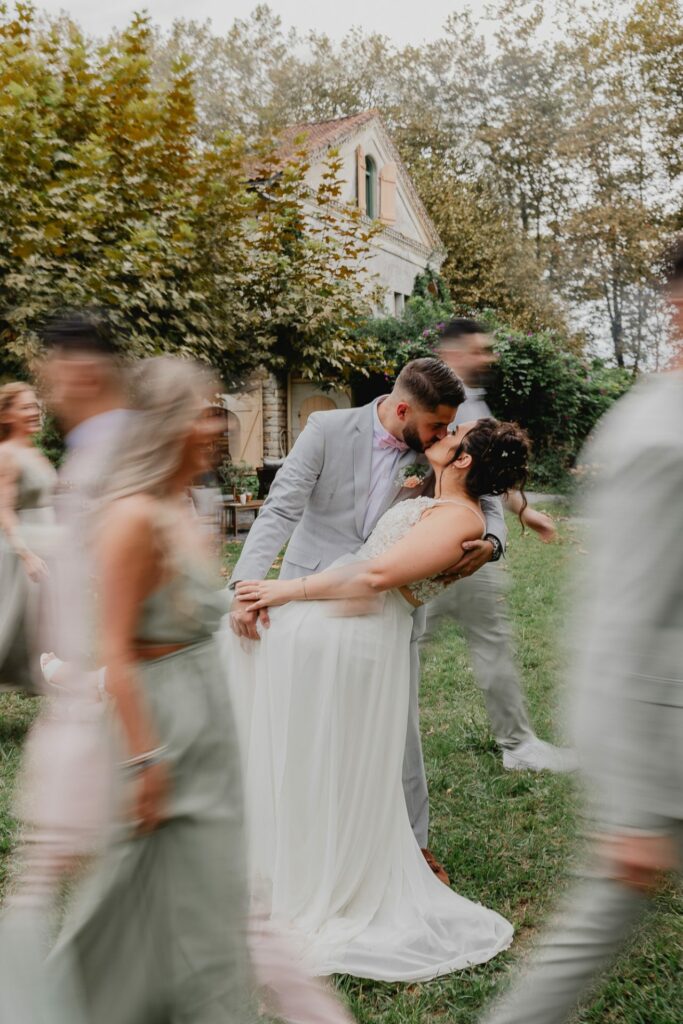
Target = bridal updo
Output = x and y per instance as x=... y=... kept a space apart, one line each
x=500 y=458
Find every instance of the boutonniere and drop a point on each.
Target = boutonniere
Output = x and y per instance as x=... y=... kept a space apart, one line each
x=412 y=476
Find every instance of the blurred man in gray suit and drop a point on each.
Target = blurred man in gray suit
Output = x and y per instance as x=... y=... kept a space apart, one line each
x=478 y=604
x=627 y=677
x=345 y=470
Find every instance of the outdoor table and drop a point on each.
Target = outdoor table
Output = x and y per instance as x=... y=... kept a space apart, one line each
x=230 y=510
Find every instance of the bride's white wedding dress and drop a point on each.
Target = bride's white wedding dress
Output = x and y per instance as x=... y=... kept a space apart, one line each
x=322 y=708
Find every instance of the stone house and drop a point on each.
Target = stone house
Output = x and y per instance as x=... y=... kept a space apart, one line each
x=265 y=420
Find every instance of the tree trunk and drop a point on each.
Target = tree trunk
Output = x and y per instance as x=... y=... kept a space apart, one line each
x=614 y=308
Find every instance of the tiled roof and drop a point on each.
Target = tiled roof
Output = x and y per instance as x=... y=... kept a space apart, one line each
x=323 y=134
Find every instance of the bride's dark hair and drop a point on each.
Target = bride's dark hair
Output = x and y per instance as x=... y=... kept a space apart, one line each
x=500 y=458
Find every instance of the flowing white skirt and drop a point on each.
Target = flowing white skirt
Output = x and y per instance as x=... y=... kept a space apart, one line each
x=322 y=706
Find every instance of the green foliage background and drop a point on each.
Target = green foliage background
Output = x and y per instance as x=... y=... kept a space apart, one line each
x=557 y=394
x=107 y=197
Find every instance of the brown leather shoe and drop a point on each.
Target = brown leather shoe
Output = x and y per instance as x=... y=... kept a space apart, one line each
x=438 y=869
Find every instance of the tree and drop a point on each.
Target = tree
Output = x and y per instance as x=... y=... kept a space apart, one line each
x=434 y=102
x=309 y=280
x=490 y=263
x=612 y=233
x=108 y=198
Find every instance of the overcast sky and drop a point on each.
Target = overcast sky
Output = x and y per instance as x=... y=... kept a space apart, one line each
x=405 y=21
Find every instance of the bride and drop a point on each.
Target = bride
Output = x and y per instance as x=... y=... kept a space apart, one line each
x=322 y=705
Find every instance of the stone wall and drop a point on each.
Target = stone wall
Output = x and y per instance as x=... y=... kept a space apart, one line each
x=275 y=434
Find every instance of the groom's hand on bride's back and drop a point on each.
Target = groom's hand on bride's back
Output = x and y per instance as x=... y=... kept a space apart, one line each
x=243 y=621
x=477 y=553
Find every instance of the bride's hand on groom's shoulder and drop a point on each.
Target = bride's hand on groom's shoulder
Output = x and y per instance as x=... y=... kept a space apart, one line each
x=244 y=618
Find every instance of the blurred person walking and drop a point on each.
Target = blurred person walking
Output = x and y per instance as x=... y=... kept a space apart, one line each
x=61 y=793
x=627 y=677
x=478 y=604
x=181 y=889
x=27 y=484
x=156 y=930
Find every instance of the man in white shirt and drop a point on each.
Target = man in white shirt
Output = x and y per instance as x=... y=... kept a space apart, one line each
x=86 y=393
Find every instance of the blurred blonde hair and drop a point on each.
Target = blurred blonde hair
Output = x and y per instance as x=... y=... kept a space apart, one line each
x=8 y=393
x=166 y=397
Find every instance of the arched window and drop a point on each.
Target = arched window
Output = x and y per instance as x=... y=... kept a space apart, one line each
x=370 y=187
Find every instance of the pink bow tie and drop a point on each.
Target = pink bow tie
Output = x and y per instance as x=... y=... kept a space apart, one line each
x=389 y=441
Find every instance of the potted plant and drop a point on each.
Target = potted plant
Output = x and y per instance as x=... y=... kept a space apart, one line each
x=237 y=479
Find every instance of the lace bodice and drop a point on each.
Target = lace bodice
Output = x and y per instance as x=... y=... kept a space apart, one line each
x=394 y=525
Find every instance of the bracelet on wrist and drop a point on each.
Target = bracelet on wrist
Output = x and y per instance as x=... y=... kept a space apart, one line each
x=496 y=545
x=139 y=762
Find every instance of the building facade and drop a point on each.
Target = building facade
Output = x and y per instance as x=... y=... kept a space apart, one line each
x=265 y=420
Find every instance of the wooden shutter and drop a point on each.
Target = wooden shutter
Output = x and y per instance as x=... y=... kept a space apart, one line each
x=360 y=177
x=387 y=194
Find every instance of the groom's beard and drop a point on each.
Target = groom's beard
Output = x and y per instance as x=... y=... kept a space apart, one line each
x=412 y=439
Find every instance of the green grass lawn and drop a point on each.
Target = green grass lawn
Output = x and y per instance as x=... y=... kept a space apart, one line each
x=507 y=839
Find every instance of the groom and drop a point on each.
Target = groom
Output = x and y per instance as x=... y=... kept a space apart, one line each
x=345 y=470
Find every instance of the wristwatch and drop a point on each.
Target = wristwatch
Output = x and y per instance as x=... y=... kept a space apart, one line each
x=497 y=546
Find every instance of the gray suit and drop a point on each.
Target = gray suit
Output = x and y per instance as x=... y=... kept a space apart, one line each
x=319 y=500
x=478 y=604
x=627 y=677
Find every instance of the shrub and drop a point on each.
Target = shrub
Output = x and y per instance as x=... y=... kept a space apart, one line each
x=554 y=392
x=557 y=395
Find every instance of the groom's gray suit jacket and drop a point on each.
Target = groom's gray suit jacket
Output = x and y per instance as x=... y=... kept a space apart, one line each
x=319 y=498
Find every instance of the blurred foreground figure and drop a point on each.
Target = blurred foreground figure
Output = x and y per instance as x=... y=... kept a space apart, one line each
x=157 y=930
x=27 y=483
x=154 y=929
x=62 y=795
x=628 y=676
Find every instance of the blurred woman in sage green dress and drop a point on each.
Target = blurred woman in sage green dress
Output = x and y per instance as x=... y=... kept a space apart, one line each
x=27 y=483
x=155 y=931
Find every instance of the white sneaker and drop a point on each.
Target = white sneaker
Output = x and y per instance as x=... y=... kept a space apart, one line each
x=536 y=755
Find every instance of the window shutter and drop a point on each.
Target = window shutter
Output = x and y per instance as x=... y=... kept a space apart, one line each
x=360 y=177
x=387 y=193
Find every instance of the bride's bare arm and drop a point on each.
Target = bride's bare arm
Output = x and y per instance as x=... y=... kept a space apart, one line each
x=428 y=549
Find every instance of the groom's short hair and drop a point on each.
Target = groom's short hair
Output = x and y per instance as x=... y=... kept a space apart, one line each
x=430 y=383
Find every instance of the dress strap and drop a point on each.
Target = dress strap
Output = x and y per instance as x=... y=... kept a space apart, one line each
x=463 y=504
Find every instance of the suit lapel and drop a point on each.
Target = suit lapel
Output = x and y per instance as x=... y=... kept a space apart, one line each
x=362 y=464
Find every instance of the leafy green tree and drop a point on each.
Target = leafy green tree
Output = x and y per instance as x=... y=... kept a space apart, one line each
x=107 y=197
x=258 y=78
x=557 y=395
x=549 y=161
x=310 y=281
